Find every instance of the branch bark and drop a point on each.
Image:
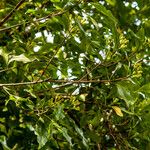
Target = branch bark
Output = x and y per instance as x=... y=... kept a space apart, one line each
x=11 y=13
x=37 y=20
x=63 y=81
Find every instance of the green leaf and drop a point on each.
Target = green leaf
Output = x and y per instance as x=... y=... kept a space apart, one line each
x=20 y=58
x=4 y=55
x=79 y=24
x=80 y=132
x=31 y=11
x=55 y=1
x=42 y=134
x=128 y=112
x=141 y=34
x=105 y=12
x=145 y=88
x=59 y=113
x=94 y=22
x=31 y=92
x=4 y=142
x=111 y=21
x=66 y=135
x=65 y=21
x=111 y=2
x=125 y=94
x=64 y=132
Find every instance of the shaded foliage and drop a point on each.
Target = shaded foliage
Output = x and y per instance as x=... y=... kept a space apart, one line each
x=74 y=74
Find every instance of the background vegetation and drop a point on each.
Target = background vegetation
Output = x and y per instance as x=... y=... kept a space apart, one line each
x=74 y=74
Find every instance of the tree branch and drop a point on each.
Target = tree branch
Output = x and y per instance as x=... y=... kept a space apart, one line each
x=63 y=81
x=11 y=13
x=37 y=20
x=56 y=51
x=7 y=69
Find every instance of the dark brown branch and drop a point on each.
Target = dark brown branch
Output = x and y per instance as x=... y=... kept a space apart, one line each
x=63 y=81
x=11 y=13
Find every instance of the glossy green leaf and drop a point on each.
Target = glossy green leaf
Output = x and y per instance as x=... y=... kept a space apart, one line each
x=125 y=94
x=59 y=113
x=4 y=55
x=42 y=135
x=20 y=58
x=111 y=2
x=64 y=132
x=55 y=1
x=104 y=11
x=3 y=142
x=145 y=88
x=80 y=25
x=84 y=140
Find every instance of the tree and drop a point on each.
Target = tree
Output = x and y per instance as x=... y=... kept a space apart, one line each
x=74 y=74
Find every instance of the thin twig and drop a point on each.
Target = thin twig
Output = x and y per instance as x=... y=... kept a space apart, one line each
x=12 y=11
x=37 y=20
x=51 y=60
x=89 y=72
x=62 y=81
x=56 y=51
x=13 y=26
x=4 y=70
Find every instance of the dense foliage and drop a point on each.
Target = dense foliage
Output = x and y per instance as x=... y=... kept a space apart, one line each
x=74 y=74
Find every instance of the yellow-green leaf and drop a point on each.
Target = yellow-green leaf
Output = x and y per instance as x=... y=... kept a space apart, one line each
x=118 y=111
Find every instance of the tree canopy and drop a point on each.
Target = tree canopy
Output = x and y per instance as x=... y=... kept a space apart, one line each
x=74 y=74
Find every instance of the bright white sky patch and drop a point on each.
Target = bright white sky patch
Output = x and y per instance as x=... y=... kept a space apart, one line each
x=77 y=39
x=76 y=92
x=63 y=32
x=76 y=12
x=97 y=60
x=88 y=34
x=85 y=18
x=81 y=61
x=91 y=13
x=137 y=22
x=102 y=2
x=49 y=36
x=36 y=48
x=43 y=20
x=134 y=4
x=92 y=26
x=45 y=33
x=124 y=32
x=69 y=72
x=102 y=54
x=59 y=74
x=27 y=28
x=106 y=35
x=70 y=76
x=84 y=15
x=126 y=4
x=82 y=55
x=39 y=34
x=62 y=48
x=100 y=25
